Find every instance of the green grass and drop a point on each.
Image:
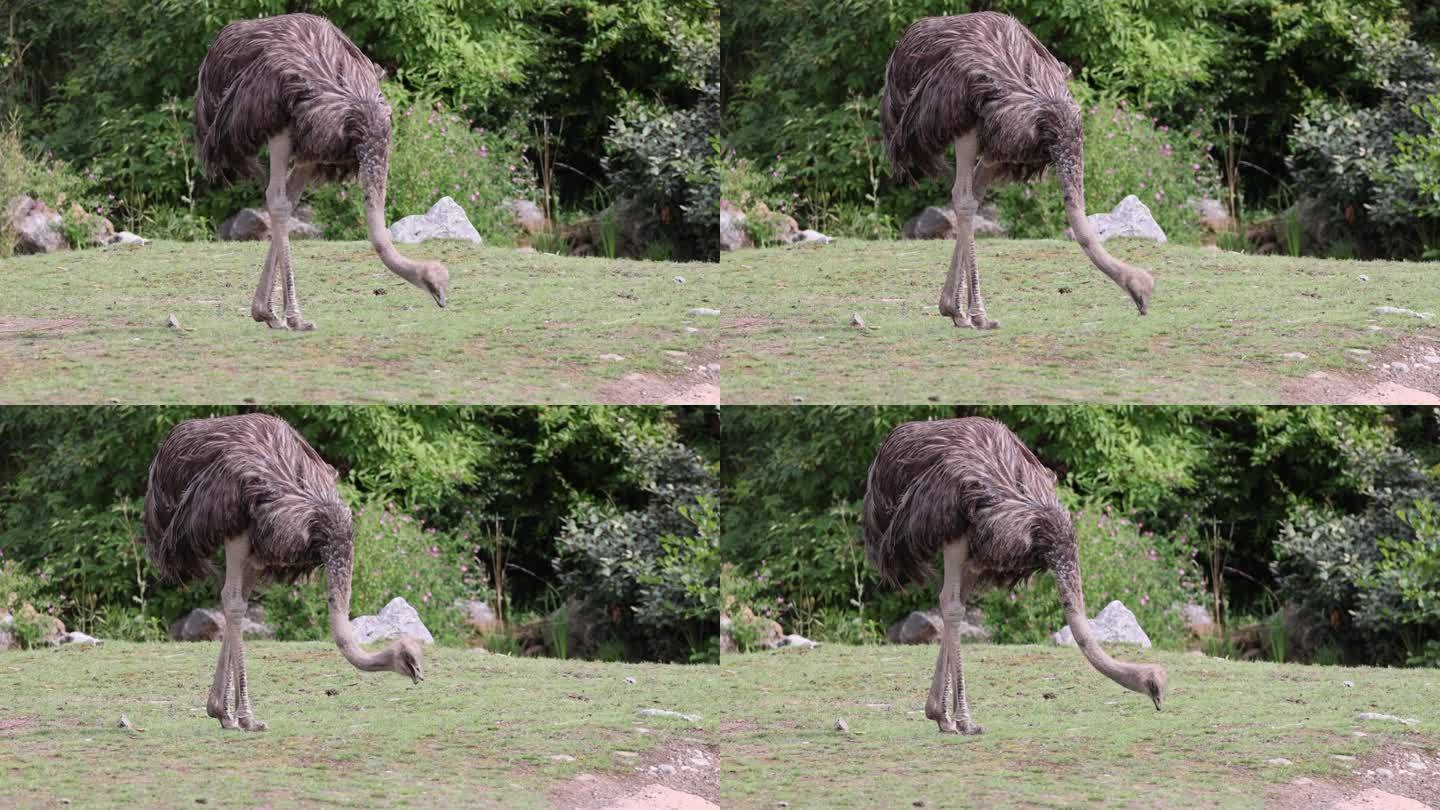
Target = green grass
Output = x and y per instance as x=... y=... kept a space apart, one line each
x=1093 y=742
x=90 y=326
x=1218 y=326
x=479 y=731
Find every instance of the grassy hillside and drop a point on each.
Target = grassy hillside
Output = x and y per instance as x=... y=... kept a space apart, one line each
x=1057 y=732
x=481 y=730
x=1219 y=327
x=90 y=326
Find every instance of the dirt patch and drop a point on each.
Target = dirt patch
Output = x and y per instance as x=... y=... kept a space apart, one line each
x=679 y=776
x=16 y=723
x=11 y=326
x=1401 y=776
x=700 y=385
x=1407 y=373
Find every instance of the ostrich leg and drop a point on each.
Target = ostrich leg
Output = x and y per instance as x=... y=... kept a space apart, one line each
x=293 y=319
x=262 y=306
x=962 y=200
x=949 y=676
x=239 y=580
x=984 y=173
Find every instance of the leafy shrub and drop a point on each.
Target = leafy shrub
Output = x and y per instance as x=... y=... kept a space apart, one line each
x=436 y=152
x=1154 y=575
x=1375 y=164
x=51 y=181
x=1127 y=151
x=1372 y=575
x=395 y=555
x=627 y=564
x=663 y=157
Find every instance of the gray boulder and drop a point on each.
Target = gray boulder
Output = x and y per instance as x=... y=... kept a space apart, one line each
x=208 y=624
x=937 y=222
x=528 y=216
x=37 y=227
x=480 y=616
x=733 y=235
x=445 y=220
x=1212 y=214
x=1115 y=623
x=253 y=225
x=925 y=627
x=1131 y=218
x=396 y=619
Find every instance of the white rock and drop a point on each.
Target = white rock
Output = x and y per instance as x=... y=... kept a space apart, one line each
x=611 y=357
x=809 y=235
x=1424 y=316
x=1388 y=717
x=1131 y=218
x=857 y=321
x=396 y=619
x=689 y=718
x=126 y=238
x=1295 y=356
x=1416 y=765
x=1115 y=623
x=173 y=322
x=1364 y=277
x=1384 y=773
x=1349 y=684
x=703 y=312
x=76 y=637
x=1278 y=761
x=794 y=640
x=1400 y=367
x=445 y=220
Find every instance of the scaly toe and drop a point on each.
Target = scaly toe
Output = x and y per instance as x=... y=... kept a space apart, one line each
x=251 y=724
x=972 y=729
x=299 y=325
x=947 y=727
x=982 y=322
x=961 y=321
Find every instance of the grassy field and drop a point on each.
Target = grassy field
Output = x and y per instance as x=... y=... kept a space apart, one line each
x=481 y=730
x=1218 y=329
x=1091 y=742
x=91 y=326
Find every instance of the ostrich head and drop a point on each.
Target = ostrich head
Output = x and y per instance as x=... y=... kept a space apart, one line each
x=369 y=127
x=406 y=659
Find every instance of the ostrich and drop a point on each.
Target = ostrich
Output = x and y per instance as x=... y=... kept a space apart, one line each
x=252 y=485
x=297 y=84
x=984 y=83
x=969 y=489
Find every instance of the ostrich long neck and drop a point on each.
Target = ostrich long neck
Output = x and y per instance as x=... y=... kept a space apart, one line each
x=380 y=238
x=1072 y=187
x=337 y=576
x=1073 y=600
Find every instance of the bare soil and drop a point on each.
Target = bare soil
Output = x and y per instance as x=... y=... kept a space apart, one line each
x=1397 y=375
x=1369 y=787
x=679 y=776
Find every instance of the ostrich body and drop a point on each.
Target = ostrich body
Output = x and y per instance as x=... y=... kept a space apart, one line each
x=969 y=490
x=984 y=83
x=296 y=84
x=251 y=485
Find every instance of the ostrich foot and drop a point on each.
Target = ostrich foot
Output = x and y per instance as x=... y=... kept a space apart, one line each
x=270 y=319
x=226 y=719
x=970 y=729
x=252 y=724
x=299 y=324
x=983 y=322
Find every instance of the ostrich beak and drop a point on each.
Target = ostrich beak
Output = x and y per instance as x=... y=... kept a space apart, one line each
x=439 y=296
x=1157 y=702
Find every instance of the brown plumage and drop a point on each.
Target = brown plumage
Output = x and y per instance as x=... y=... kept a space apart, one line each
x=932 y=482
x=984 y=84
x=297 y=85
x=971 y=491
x=252 y=485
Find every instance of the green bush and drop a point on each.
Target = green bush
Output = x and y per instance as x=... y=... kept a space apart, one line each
x=1375 y=163
x=53 y=182
x=662 y=157
x=1154 y=575
x=653 y=570
x=1127 y=151
x=395 y=555
x=1372 y=575
x=436 y=153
